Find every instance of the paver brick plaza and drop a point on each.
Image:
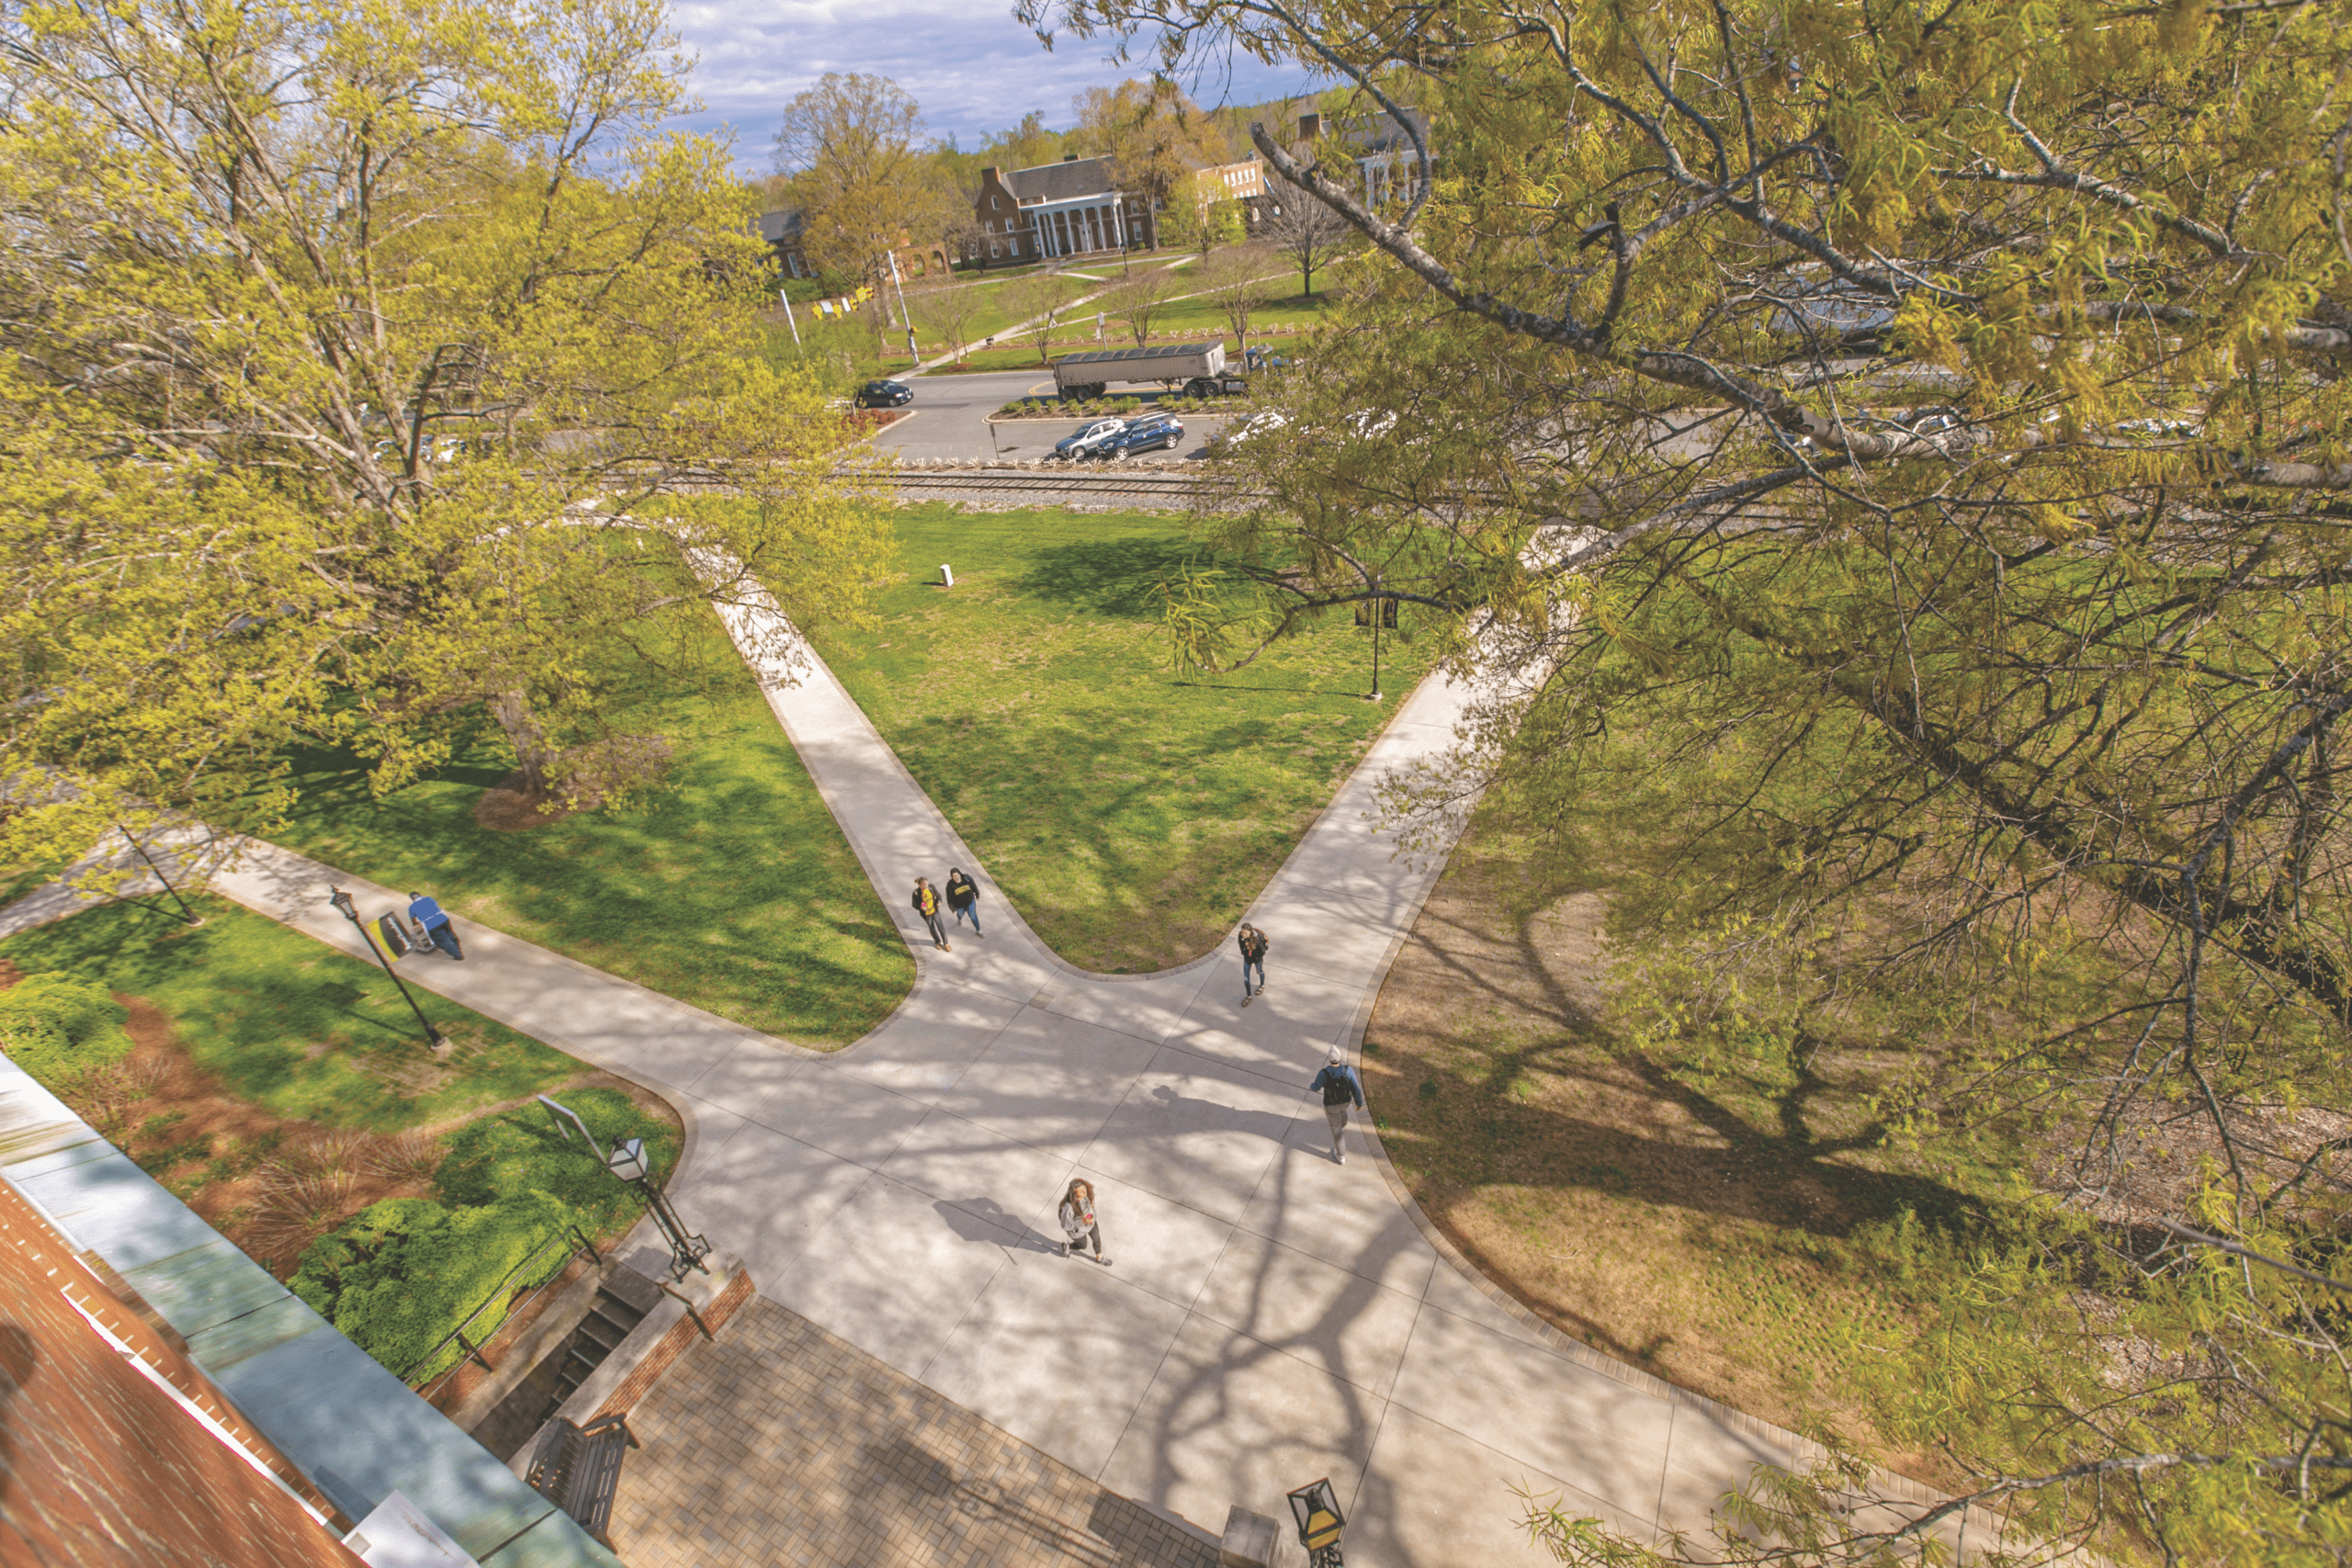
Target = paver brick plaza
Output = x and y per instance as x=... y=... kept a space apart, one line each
x=779 y=1443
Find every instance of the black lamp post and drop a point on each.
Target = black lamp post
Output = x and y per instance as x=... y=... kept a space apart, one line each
x=627 y=1160
x=1317 y=1510
x=341 y=901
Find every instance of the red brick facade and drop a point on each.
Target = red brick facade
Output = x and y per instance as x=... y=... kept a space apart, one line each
x=101 y=1466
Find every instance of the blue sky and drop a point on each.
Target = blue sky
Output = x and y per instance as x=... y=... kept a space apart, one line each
x=970 y=65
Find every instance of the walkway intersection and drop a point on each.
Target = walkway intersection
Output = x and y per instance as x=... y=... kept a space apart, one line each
x=1268 y=1317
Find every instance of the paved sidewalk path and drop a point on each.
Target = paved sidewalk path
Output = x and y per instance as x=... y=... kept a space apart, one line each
x=1269 y=1318
x=781 y=1443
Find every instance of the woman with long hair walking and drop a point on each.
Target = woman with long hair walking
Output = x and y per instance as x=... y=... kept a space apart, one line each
x=1078 y=1224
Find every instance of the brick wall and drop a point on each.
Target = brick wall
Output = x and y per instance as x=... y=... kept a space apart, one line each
x=673 y=1345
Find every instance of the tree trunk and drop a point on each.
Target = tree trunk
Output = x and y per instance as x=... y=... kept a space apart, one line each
x=533 y=756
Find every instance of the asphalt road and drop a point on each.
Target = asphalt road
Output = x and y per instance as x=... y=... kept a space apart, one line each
x=951 y=419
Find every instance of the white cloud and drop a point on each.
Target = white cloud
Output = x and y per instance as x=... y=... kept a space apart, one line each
x=973 y=68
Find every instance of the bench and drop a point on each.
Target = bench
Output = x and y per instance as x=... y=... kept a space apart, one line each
x=579 y=1468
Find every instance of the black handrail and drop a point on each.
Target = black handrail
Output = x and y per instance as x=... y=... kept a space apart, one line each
x=579 y=1242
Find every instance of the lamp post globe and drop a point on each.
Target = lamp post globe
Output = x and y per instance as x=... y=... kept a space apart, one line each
x=628 y=1160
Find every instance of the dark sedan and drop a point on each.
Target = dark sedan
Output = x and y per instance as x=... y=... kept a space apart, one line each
x=885 y=395
x=1152 y=432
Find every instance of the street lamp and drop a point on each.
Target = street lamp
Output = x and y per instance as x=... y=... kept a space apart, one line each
x=627 y=1160
x=341 y=901
x=1317 y=1510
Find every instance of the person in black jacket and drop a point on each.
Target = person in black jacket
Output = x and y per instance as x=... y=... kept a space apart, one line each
x=1253 y=957
x=1340 y=1089
x=927 y=906
x=964 y=899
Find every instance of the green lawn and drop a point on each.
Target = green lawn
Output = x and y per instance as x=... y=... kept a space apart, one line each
x=1131 y=813
x=732 y=888
x=290 y=1025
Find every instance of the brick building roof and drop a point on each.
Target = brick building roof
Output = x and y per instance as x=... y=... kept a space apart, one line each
x=102 y=1462
x=1072 y=179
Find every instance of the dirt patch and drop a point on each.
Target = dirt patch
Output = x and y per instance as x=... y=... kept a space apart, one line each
x=272 y=1184
x=507 y=807
x=589 y=778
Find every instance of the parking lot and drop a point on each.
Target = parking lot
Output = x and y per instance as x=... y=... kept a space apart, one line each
x=950 y=418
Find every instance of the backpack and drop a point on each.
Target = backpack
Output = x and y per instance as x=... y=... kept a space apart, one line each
x=1337 y=1090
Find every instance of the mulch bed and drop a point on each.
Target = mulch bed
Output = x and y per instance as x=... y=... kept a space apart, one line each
x=507 y=807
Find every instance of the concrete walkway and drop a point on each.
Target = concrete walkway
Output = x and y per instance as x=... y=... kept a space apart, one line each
x=1269 y=1318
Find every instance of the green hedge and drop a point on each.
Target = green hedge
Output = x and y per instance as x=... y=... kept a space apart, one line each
x=399 y=1275
x=56 y=1027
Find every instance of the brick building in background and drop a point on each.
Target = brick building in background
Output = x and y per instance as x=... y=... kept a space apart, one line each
x=1070 y=208
x=114 y=1448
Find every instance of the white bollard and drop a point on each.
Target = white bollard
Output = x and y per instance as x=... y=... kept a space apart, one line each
x=947 y=575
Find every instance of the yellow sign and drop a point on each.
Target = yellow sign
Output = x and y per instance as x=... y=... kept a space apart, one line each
x=1322 y=1529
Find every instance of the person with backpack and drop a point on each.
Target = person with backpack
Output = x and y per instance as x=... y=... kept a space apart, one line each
x=1253 y=957
x=1077 y=1215
x=434 y=922
x=1340 y=1089
x=927 y=906
x=964 y=897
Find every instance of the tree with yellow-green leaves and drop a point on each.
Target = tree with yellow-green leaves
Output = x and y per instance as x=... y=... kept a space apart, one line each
x=849 y=147
x=355 y=357
x=1896 y=455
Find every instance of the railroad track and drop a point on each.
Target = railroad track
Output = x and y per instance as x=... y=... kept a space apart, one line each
x=1096 y=485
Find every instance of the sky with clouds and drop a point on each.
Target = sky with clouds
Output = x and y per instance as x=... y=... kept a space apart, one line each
x=970 y=64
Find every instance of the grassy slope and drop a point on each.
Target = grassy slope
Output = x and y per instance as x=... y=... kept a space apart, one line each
x=1740 y=1238
x=292 y=1026
x=1132 y=814
x=732 y=889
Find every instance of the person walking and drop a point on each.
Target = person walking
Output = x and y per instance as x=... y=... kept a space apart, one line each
x=927 y=906
x=964 y=897
x=434 y=922
x=1340 y=1089
x=1253 y=957
x=1079 y=1225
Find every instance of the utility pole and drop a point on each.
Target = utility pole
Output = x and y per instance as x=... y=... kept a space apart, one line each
x=913 y=351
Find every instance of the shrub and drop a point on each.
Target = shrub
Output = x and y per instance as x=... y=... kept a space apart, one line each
x=58 y=1028
x=403 y=1273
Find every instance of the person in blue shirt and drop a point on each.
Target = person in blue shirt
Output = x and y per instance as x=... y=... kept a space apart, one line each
x=434 y=922
x=1341 y=1089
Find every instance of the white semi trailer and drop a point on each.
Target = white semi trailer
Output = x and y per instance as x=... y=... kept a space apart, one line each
x=1198 y=367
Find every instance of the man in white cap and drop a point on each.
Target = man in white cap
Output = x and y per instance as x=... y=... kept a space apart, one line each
x=1340 y=1089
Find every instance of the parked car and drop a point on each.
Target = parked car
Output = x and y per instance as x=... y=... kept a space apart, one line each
x=885 y=395
x=1091 y=439
x=1249 y=429
x=1151 y=433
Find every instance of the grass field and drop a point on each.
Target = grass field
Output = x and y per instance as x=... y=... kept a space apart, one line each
x=731 y=888
x=293 y=1027
x=1131 y=812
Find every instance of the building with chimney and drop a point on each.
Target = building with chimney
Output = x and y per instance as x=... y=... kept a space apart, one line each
x=1074 y=207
